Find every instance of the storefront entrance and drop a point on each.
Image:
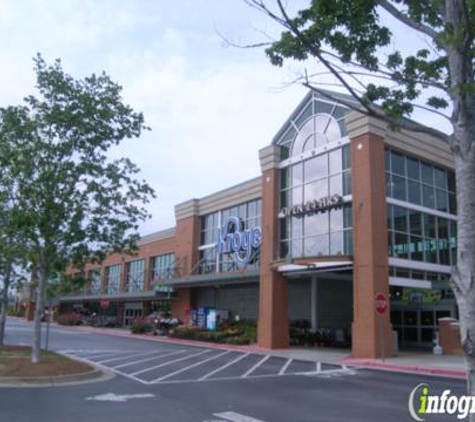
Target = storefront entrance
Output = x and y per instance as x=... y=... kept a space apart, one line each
x=417 y=325
x=131 y=312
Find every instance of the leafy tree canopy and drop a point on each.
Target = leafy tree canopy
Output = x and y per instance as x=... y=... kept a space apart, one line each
x=72 y=201
x=350 y=38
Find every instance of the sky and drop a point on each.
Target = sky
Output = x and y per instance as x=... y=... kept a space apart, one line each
x=210 y=107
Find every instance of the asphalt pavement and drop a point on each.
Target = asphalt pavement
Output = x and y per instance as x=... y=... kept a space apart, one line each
x=171 y=382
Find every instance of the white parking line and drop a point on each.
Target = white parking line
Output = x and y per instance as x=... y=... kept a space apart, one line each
x=255 y=366
x=223 y=367
x=128 y=356
x=319 y=367
x=286 y=365
x=100 y=355
x=148 y=359
x=169 y=363
x=186 y=368
x=236 y=417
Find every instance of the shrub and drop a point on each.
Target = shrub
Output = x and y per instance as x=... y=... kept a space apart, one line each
x=242 y=332
x=69 y=319
x=140 y=326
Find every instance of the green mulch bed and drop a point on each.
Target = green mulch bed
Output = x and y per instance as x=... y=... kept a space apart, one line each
x=15 y=361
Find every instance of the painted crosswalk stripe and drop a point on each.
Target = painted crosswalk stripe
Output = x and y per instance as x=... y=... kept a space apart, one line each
x=99 y=355
x=223 y=367
x=128 y=356
x=158 y=356
x=286 y=365
x=236 y=417
x=169 y=363
x=186 y=368
x=255 y=366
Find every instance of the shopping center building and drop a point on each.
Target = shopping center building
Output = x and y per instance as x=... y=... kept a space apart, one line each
x=343 y=210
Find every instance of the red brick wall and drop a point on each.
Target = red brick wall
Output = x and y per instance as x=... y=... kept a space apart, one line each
x=273 y=324
x=449 y=336
x=148 y=251
x=370 y=256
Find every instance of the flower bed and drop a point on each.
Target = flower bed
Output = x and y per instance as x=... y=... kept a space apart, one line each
x=141 y=326
x=239 y=333
x=70 y=319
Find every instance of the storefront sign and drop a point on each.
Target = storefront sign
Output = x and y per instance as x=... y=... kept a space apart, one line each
x=312 y=207
x=164 y=289
x=239 y=243
x=412 y=296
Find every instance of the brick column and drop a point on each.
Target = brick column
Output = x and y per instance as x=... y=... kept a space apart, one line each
x=370 y=273
x=181 y=305
x=147 y=274
x=187 y=236
x=273 y=324
x=103 y=280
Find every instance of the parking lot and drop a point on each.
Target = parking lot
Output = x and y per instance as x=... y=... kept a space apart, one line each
x=166 y=381
x=175 y=364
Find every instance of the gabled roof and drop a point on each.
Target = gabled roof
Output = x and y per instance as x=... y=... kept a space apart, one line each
x=311 y=104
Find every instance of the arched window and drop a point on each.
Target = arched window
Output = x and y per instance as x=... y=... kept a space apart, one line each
x=318 y=130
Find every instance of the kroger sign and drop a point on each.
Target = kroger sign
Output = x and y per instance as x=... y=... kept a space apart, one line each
x=239 y=244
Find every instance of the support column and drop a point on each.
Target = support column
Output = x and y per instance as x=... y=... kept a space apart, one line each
x=187 y=237
x=273 y=325
x=370 y=274
x=314 y=302
x=181 y=305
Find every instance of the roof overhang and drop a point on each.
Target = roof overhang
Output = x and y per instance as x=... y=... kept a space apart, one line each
x=314 y=267
x=111 y=297
x=418 y=284
x=213 y=279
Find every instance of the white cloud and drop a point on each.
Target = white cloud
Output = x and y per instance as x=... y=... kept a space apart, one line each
x=211 y=108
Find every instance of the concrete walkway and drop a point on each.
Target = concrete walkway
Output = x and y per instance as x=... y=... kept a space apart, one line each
x=406 y=362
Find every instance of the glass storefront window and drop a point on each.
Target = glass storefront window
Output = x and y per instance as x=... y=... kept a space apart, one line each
x=427 y=173
x=135 y=276
x=163 y=266
x=323 y=173
x=429 y=236
x=249 y=215
x=414 y=192
x=95 y=281
x=418 y=182
x=399 y=188
x=413 y=168
x=113 y=275
x=398 y=164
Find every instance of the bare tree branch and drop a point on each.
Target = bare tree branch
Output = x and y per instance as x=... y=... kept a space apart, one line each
x=386 y=5
x=317 y=53
x=339 y=72
x=409 y=126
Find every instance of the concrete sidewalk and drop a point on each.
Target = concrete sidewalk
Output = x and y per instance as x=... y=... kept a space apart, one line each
x=406 y=362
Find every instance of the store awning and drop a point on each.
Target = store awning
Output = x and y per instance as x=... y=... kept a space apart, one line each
x=211 y=279
x=112 y=297
x=316 y=267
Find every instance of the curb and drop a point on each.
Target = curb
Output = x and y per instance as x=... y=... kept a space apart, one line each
x=97 y=374
x=407 y=369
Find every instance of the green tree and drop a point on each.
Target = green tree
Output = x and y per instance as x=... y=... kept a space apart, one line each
x=12 y=246
x=390 y=79
x=74 y=203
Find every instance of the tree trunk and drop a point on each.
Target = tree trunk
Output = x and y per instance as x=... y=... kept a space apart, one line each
x=4 y=301
x=464 y=272
x=36 y=350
